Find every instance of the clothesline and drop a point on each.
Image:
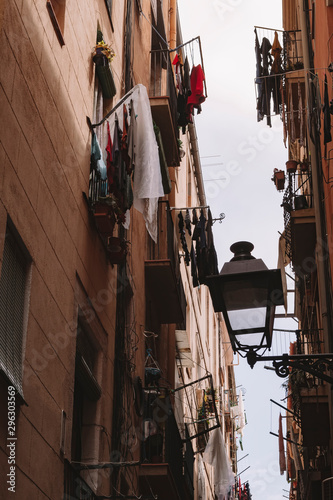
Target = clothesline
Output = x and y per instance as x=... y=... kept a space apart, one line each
x=284 y=73
x=93 y=125
x=270 y=29
x=201 y=57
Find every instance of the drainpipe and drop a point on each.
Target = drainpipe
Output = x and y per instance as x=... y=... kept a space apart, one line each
x=173 y=24
x=197 y=163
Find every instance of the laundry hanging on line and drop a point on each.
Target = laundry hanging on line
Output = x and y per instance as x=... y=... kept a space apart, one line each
x=190 y=87
x=196 y=237
x=268 y=76
x=131 y=149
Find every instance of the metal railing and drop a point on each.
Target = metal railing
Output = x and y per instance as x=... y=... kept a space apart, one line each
x=97 y=187
x=164 y=444
x=292 y=54
x=309 y=341
x=162 y=81
x=297 y=195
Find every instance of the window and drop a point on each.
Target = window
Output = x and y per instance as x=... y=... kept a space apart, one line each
x=87 y=392
x=14 y=299
x=57 y=10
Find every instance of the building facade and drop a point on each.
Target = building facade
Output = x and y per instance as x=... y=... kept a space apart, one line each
x=295 y=81
x=114 y=367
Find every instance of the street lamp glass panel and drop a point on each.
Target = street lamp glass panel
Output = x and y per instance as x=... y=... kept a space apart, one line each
x=244 y=294
x=249 y=340
x=244 y=319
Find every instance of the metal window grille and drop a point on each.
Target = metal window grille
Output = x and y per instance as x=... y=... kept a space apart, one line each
x=13 y=281
x=327 y=489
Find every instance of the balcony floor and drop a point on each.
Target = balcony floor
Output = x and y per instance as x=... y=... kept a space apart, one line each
x=157 y=479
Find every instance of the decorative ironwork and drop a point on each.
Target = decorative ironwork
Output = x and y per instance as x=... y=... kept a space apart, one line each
x=287 y=208
x=316 y=364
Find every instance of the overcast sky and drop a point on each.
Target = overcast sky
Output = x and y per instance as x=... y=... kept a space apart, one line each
x=241 y=152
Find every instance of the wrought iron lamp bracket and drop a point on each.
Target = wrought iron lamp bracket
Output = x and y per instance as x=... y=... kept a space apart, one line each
x=315 y=364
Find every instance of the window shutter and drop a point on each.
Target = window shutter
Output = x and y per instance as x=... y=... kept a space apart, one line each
x=12 y=300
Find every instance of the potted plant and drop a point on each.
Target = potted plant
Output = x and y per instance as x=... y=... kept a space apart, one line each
x=291 y=166
x=304 y=165
x=106 y=214
x=102 y=55
x=279 y=179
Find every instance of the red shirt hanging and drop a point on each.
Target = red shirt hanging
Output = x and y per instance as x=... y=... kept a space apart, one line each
x=197 y=83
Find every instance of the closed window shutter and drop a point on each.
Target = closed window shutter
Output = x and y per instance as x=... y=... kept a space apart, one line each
x=12 y=300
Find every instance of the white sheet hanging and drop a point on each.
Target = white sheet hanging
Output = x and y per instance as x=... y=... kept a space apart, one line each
x=241 y=417
x=147 y=184
x=215 y=454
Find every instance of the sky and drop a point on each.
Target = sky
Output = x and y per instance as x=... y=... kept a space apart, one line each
x=238 y=156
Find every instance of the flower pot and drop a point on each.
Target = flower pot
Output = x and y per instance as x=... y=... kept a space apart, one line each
x=99 y=58
x=291 y=166
x=304 y=166
x=279 y=179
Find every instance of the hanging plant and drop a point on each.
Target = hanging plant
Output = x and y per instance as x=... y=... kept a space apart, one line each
x=278 y=179
x=291 y=166
x=103 y=53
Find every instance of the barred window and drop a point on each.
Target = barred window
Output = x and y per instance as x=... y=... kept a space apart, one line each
x=13 y=306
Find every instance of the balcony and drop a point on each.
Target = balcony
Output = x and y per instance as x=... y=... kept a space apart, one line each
x=105 y=213
x=164 y=287
x=309 y=341
x=292 y=53
x=299 y=221
x=163 y=102
x=310 y=395
x=315 y=422
x=164 y=471
x=303 y=239
x=280 y=76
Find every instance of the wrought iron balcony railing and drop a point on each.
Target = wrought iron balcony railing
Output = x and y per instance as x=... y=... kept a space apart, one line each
x=163 y=460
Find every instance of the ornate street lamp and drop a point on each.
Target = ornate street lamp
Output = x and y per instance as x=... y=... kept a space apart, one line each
x=247 y=293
